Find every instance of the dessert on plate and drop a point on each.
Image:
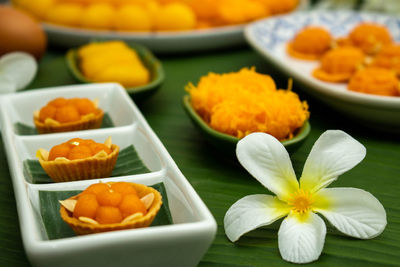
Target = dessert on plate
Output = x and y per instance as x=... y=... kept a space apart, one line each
x=79 y=159
x=375 y=80
x=310 y=43
x=339 y=64
x=104 y=207
x=64 y=115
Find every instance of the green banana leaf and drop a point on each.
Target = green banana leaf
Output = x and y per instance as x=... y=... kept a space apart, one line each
x=220 y=180
x=56 y=228
x=128 y=163
x=23 y=129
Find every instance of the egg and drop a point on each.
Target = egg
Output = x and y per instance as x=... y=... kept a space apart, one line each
x=20 y=32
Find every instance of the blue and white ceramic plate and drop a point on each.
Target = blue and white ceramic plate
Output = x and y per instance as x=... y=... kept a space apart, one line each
x=269 y=38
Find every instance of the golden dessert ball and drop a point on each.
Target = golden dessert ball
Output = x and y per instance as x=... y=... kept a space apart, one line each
x=65 y=14
x=133 y=18
x=98 y=16
x=241 y=11
x=39 y=8
x=175 y=17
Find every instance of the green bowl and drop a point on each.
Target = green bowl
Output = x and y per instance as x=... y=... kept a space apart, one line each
x=149 y=60
x=227 y=142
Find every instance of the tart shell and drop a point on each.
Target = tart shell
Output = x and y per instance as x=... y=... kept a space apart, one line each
x=81 y=169
x=82 y=228
x=94 y=122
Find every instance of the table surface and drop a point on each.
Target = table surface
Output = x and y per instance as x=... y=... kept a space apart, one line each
x=220 y=180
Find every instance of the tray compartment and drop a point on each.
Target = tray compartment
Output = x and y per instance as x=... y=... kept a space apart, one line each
x=20 y=107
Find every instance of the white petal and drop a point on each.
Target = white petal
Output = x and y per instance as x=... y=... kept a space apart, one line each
x=264 y=157
x=6 y=84
x=301 y=239
x=252 y=212
x=20 y=67
x=334 y=153
x=352 y=211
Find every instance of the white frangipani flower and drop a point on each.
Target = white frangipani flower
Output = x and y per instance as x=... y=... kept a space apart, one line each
x=301 y=236
x=17 y=70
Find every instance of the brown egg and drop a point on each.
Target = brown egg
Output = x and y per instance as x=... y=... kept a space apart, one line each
x=20 y=32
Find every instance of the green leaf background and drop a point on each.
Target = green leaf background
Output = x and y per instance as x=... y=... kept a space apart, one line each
x=220 y=180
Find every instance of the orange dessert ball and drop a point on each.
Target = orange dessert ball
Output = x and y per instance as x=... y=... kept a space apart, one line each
x=339 y=64
x=59 y=151
x=77 y=149
x=98 y=16
x=108 y=214
x=67 y=114
x=388 y=58
x=86 y=206
x=65 y=14
x=79 y=152
x=133 y=18
x=281 y=6
x=131 y=204
x=175 y=17
x=241 y=11
x=96 y=188
x=370 y=37
x=109 y=198
x=310 y=43
x=377 y=81
x=47 y=112
x=58 y=102
x=67 y=110
x=83 y=105
x=123 y=188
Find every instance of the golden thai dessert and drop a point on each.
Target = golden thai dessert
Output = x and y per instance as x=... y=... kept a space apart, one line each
x=243 y=102
x=79 y=159
x=104 y=207
x=377 y=81
x=310 y=43
x=339 y=64
x=370 y=37
x=388 y=58
x=112 y=61
x=152 y=15
x=64 y=115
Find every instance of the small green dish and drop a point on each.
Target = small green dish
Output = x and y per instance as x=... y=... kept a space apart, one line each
x=137 y=92
x=227 y=142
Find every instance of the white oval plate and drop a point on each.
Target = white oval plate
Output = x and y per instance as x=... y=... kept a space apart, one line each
x=158 y=42
x=269 y=38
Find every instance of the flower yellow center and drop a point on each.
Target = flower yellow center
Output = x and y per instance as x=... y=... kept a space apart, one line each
x=301 y=201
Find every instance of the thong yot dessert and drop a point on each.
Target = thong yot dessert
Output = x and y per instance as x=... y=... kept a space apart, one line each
x=79 y=159
x=310 y=43
x=111 y=206
x=370 y=37
x=377 y=81
x=339 y=64
x=64 y=115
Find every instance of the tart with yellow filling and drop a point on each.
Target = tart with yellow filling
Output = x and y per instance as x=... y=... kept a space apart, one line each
x=64 y=115
x=339 y=64
x=79 y=159
x=104 y=207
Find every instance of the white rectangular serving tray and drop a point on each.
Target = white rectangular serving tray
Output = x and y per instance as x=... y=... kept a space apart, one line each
x=182 y=243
